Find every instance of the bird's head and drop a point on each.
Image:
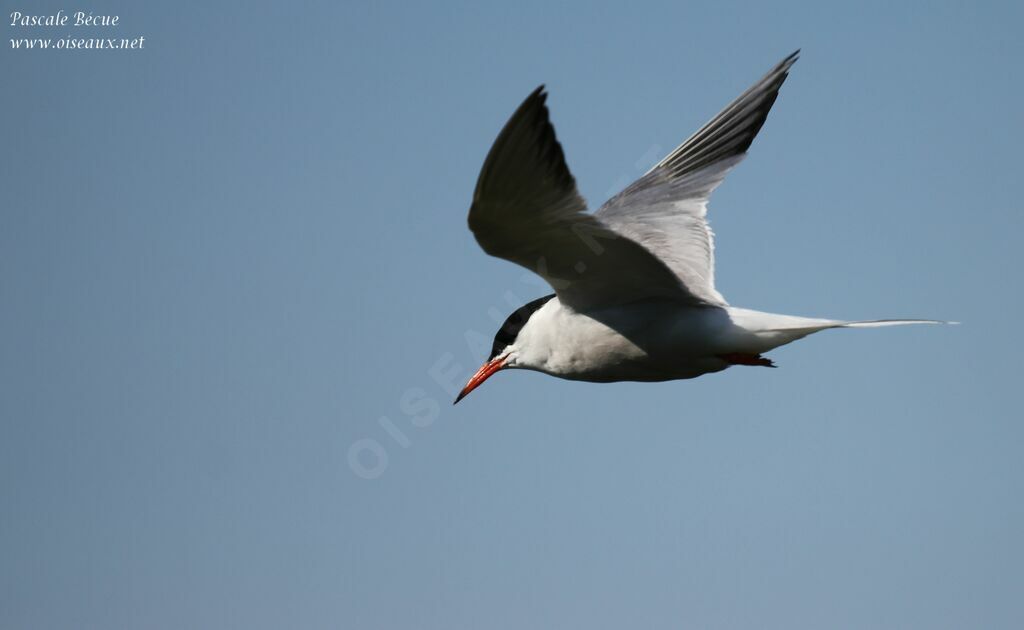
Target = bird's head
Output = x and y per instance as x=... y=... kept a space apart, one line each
x=510 y=348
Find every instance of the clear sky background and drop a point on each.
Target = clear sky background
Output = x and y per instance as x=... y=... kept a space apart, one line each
x=225 y=257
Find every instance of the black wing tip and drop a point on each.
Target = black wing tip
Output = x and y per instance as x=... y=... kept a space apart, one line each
x=537 y=97
x=781 y=70
x=549 y=149
x=534 y=108
x=730 y=133
x=786 y=63
x=528 y=147
x=775 y=77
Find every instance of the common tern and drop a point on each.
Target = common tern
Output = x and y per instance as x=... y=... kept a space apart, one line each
x=635 y=296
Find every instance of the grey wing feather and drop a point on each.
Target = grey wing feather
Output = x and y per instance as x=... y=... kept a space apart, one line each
x=666 y=209
x=526 y=209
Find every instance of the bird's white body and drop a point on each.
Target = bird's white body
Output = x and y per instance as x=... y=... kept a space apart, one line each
x=652 y=340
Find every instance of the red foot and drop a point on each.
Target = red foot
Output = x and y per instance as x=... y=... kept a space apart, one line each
x=739 y=358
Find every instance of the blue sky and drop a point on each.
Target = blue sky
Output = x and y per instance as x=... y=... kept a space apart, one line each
x=227 y=258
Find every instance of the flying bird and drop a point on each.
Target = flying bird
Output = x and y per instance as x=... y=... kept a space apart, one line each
x=634 y=283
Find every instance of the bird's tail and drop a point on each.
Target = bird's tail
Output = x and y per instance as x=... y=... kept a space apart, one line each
x=878 y=323
x=765 y=331
x=807 y=326
x=756 y=321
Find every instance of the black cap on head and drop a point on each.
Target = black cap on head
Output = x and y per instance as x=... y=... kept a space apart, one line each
x=514 y=323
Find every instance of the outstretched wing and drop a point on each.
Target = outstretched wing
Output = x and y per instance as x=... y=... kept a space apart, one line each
x=666 y=209
x=526 y=209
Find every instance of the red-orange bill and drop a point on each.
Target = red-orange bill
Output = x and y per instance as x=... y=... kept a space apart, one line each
x=481 y=375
